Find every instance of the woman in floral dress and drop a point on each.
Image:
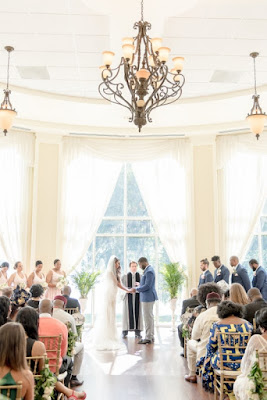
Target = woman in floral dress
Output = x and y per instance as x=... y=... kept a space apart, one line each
x=56 y=280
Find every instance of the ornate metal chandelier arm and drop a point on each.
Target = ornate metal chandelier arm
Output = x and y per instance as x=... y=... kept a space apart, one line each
x=114 y=96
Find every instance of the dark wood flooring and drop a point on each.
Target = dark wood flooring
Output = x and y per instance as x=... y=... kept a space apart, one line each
x=150 y=372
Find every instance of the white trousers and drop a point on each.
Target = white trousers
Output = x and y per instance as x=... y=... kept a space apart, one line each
x=78 y=358
x=192 y=356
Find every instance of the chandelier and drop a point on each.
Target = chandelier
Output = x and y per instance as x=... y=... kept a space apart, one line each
x=256 y=118
x=147 y=81
x=7 y=113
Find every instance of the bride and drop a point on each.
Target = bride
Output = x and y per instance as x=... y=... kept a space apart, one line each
x=106 y=336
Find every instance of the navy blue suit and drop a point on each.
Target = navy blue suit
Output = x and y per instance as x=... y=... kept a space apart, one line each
x=147 y=288
x=260 y=281
x=221 y=273
x=207 y=277
x=241 y=276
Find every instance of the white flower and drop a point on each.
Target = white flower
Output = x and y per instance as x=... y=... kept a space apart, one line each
x=46 y=397
x=44 y=284
x=48 y=390
x=62 y=282
x=22 y=285
x=3 y=286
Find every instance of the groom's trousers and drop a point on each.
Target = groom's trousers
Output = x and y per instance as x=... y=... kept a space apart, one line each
x=149 y=319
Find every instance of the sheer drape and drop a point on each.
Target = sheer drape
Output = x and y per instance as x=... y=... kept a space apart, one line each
x=242 y=183
x=90 y=172
x=17 y=157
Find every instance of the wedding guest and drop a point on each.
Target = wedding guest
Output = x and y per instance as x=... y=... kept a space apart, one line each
x=230 y=320
x=196 y=348
x=3 y=276
x=4 y=310
x=36 y=292
x=18 y=278
x=59 y=305
x=29 y=319
x=53 y=278
x=37 y=276
x=71 y=302
x=221 y=271
x=132 y=318
x=243 y=384
x=206 y=275
x=190 y=303
x=256 y=303
x=7 y=292
x=259 y=280
x=239 y=274
x=238 y=294
x=13 y=366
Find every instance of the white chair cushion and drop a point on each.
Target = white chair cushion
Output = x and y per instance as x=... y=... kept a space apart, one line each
x=226 y=372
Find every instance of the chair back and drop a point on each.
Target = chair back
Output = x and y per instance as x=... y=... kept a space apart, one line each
x=36 y=364
x=254 y=325
x=72 y=310
x=262 y=357
x=11 y=391
x=53 y=351
x=232 y=346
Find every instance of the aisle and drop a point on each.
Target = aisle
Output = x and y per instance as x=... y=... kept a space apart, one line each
x=151 y=372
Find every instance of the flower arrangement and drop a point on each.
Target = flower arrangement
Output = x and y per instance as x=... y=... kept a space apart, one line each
x=257 y=382
x=44 y=386
x=44 y=284
x=185 y=332
x=22 y=285
x=63 y=281
x=3 y=286
x=72 y=337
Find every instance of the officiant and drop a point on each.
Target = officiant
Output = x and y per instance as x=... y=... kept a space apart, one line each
x=132 y=319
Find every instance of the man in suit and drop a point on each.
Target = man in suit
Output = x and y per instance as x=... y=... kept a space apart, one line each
x=221 y=272
x=71 y=302
x=240 y=274
x=206 y=275
x=256 y=303
x=260 y=277
x=191 y=303
x=148 y=296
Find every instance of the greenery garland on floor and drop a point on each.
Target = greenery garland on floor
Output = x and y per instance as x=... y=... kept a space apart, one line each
x=45 y=385
x=257 y=378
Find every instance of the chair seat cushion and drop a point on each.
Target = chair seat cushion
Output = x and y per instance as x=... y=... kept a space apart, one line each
x=226 y=372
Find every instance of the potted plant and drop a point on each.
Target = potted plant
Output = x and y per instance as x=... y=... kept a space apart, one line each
x=84 y=280
x=174 y=278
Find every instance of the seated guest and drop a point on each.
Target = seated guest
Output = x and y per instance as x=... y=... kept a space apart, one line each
x=240 y=274
x=13 y=366
x=221 y=272
x=4 y=309
x=256 y=303
x=71 y=302
x=242 y=385
x=29 y=319
x=205 y=289
x=59 y=313
x=231 y=320
x=19 y=299
x=206 y=275
x=36 y=292
x=191 y=303
x=259 y=280
x=37 y=276
x=8 y=291
x=238 y=294
x=200 y=334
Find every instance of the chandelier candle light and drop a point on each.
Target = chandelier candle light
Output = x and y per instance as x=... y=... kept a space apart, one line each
x=7 y=113
x=256 y=118
x=148 y=83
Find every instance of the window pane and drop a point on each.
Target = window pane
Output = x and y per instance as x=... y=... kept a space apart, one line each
x=264 y=250
x=111 y=226
x=253 y=252
x=265 y=209
x=116 y=204
x=136 y=206
x=105 y=248
x=141 y=247
x=264 y=224
x=140 y=227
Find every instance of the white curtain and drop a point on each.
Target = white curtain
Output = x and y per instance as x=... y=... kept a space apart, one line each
x=90 y=171
x=16 y=158
x=242 y=183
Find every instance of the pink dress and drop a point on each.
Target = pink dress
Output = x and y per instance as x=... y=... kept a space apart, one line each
x=54 y=291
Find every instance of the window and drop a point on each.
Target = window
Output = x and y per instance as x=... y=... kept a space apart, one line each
x=127 y=231
x=258 y=246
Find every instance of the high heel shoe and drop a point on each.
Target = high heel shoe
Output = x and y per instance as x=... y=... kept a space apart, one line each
x=74 y=397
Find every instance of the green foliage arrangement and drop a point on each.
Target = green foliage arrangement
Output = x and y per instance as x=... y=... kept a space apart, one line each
x=84 y=281
x=72 y=337
x=174 y=278
x=44 y=386
x=257 y=378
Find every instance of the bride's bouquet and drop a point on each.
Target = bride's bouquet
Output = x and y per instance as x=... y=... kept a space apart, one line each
x=22 y=285
x=3 y=286
x=44 y=284
x=62 y=282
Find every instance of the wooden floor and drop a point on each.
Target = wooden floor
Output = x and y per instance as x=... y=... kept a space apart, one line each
x=150 y=372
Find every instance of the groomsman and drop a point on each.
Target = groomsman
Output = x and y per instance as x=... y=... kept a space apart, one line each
x=206 y=275
x=221 y=271
x=259 y=280
x=240 y=274
x=132 y=319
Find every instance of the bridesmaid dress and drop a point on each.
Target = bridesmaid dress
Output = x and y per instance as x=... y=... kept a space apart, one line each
x=54 y=291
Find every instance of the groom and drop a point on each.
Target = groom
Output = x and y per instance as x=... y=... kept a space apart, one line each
x=148 y=296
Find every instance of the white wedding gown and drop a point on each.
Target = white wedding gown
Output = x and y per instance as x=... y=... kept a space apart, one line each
x=105 y=332
x=243 y=384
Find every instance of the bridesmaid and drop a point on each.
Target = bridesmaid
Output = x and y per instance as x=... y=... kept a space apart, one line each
x=18 y=277
x=37 y=276
x=3 y=275
x=52 y=278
